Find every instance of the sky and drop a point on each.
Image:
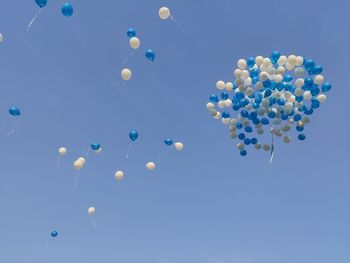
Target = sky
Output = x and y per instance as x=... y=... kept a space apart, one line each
x=205 y=204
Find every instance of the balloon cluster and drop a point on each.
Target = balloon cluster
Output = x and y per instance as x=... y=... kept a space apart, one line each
x=66 y=9
x=275 y=93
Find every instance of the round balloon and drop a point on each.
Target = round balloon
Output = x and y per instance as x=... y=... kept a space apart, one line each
x=14 y=111
x=54 y=233
x=131 y=33
x=67 y=9
x=168 y=142
x=95 y=146
x=179 y=146
x=134 y=42
x=126 y=74
x=41 y=3
x=150 y=165
x=91 y=211
x=164 y=13
x=119 y=175
x=1 y=37
x=150 y=55
x=133 y=135
x=62 y=151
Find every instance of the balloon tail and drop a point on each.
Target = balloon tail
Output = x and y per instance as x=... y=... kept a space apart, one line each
x=14 y=129
x=94 y=223
x=128 y=57
x=128 y=153
x=33 y=19
x=87 y=152
x=177 y=24
x=272 y=150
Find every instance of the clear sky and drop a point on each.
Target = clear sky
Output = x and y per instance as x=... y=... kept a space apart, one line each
x=205 y=204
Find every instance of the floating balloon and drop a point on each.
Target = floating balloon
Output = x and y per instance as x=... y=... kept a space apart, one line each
x=119 y=175
x=168 y=142
x=95 y=146
x=131 y=33
x=126 y=74
x=1 y=37
x=54 y=234
x=133 y=135
x=67 y=9
x=99 y=150
x=14 y=111
x=164 y=13
x=41 y=3
x=78 y=164
x=91 y=211
x=62 y=151
x=150 y=55
x=179 y=146
x=269 y=94
x=134 y=42
x=150 y=165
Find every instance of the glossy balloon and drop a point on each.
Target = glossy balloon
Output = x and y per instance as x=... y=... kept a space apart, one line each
x=54 y=234
x=133 y=135
x=14 y=111
x=131 y=33
x=67 y=9
x=150 y=55
x=95 y=146
x=41 y=3
x=168 y=142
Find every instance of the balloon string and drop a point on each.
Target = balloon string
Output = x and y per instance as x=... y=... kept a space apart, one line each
x=128 y=57
x=15 y=128
x=177 y=24
x=94 y=223
x=32 y=21
x=87 y=153
x=128 y=153
x=272 y=149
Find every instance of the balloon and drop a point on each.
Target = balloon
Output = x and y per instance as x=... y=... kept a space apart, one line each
x=150 y=55
x=126 y=74
x=131 y=33
x=150 y=165
x=168 y=142
x=119 y=175
x=14 y=111
x=62 y=151
x=95 y=146
x=179 y=146
x=274 y=94
x=1 y=37
x=164 y=13
x=91 y=211
x=67 y=9
x=99 y=150
x=41 y=3
x=134 y=42
x=78 y=164
x=133 y=135
x=54 y=234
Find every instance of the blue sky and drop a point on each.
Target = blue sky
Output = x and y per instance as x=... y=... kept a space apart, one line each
x=205 y=204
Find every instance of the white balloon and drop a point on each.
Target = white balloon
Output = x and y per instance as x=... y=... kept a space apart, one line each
x=134 y=42
x=119 y=175
x=226 y=121
x=210 y=106
x=266 y=147
x=321 y=98
x=179 y=146
x=307 y=95
x=281 y=70
x=287 y=139
x=298 y=92
x=1 y=37
x=221 y=104
x=91 y=211
x=258 y=146
x=240 y=146
x=229 y=86
x=299 y=82
x=62 y=151
x=242 y=63
x=318 y=80
x=126 y=74
x=299 y=71
x=259 y=60
x=164 y=13
x=78 y=164
x=292 y=59
x=282 y=60
x=289 y=66
x=228 y=102
x=278 y=78
x=150 y=165
x=218 y=115
x=82 y=159
x=220 y=84
x=299 y=61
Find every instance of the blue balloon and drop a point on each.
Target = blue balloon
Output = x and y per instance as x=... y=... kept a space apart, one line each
x=41 y=3
x=275 y=56
x=301 y=136
x=213 y=98
x=308 y=111
x=54 y=233
x=247 y=141
x=241 y=136
x=131 y=33
x=14 y=111
x=150 y=55
x=251 y=62
x=265 y=121
x=244 y=113
x=95 y=146
x=299 y=128
x=317 y=69
x=239 y=125
x=287 y=78
x=168 y=142
x=326 y=87
x=224 y=95
x=133 y=135
x=297 y=117
x=309 y=64
x=253 y=141
x=271 y=114
x=225 y=114
x=248 y=129
x=67 y=9
x=243 y=152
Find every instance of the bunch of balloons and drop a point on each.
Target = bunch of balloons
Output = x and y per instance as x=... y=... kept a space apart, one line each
x=275 y=93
